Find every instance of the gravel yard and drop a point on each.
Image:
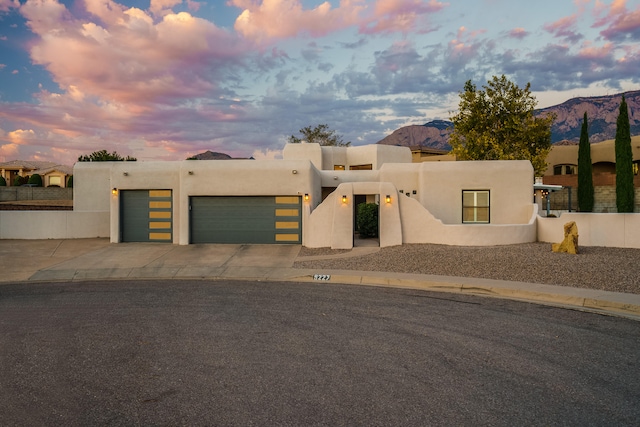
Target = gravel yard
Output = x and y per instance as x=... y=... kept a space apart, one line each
x=610 y=269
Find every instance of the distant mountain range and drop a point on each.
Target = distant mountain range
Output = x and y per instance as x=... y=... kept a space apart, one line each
x=602 y=112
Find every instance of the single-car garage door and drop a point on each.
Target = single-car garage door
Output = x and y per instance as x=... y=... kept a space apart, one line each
x=246 y=219
x=146 y=216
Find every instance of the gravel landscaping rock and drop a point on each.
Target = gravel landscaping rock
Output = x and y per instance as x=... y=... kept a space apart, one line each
x=610 y=269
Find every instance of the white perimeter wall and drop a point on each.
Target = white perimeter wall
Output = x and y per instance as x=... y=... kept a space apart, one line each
x=53 y=224
x=594 y=229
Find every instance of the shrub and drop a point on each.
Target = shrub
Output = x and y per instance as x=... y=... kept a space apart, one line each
x=3 y=182
x=70 y=182
x=19 y=180
x=35 y=179
x=368 y=219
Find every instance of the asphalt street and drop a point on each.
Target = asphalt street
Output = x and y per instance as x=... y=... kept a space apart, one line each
x=202 y=352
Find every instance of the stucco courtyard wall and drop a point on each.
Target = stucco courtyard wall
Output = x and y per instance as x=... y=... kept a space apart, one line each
x=420 y=226
x=594 y=229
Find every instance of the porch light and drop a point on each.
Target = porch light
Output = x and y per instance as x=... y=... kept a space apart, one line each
x=294 y=171
x=190 y=172
x=306 y=197
x=344 y=199
x=387 y=199
x=114 y=191
x=125 y=173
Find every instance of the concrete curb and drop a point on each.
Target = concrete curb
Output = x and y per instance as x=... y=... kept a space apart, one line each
x=603 y=302
x=627 y=305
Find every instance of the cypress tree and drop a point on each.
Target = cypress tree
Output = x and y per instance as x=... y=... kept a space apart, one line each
x=624 y=161
x=585 y=177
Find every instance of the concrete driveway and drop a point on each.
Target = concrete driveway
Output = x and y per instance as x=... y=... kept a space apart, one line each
x=80 y=259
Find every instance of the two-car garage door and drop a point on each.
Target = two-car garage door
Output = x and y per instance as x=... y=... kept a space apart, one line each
x=245 y=219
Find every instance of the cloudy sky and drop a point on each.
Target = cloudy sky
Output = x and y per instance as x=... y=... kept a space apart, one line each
x=167 y=79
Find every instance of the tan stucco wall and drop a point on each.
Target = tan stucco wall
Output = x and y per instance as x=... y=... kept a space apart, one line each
x=92 y=186
x=304 y=151
x=325 y=158
x=509 y=181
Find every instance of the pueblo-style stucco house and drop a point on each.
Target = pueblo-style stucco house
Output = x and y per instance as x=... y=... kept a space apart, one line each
x=309 y=197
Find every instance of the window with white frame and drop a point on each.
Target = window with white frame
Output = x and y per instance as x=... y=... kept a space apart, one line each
x=475 y=206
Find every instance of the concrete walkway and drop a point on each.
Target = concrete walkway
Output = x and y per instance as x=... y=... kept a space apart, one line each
x=97 y=259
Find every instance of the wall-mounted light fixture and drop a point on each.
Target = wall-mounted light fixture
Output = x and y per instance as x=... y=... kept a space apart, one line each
x=335 y=177
x=294 y=171
x=344 y=199
x=306 y=197
x=114 y=191
x=125 y=173
x=387 y=198
x=190 y=172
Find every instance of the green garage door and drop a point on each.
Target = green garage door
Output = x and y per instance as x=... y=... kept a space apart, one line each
x=246 y=219
x=146 y=216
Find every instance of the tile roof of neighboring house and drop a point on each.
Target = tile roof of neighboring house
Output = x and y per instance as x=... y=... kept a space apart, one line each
x=26 y=164
x=67 y=170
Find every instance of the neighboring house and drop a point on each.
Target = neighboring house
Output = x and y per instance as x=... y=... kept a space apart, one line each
x=52 y=173
x=309 y=197
x=562 y=163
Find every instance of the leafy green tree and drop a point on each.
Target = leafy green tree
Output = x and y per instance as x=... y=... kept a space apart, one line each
x=70 y=181
x=320 y=134
x=3 y=182
x=585 y=170
x=104 y=156
x=624 y=161
x=35 y=179
x=497 y=123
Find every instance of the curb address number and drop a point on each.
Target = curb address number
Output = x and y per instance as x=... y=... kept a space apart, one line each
x=322 y=277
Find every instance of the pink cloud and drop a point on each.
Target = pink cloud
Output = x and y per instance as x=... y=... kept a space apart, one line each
x=620 y=23
x=127 y=57
x=565 y=28
x=265 y=20
x=518 y=33
x=5 y=5
x=401 y=16
x=464 y=47
x=125 y=76
x=278 y=19
x=163 y=7
x=596 y=53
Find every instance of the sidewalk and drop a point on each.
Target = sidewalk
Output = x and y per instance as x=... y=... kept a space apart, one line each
x=97 y=259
